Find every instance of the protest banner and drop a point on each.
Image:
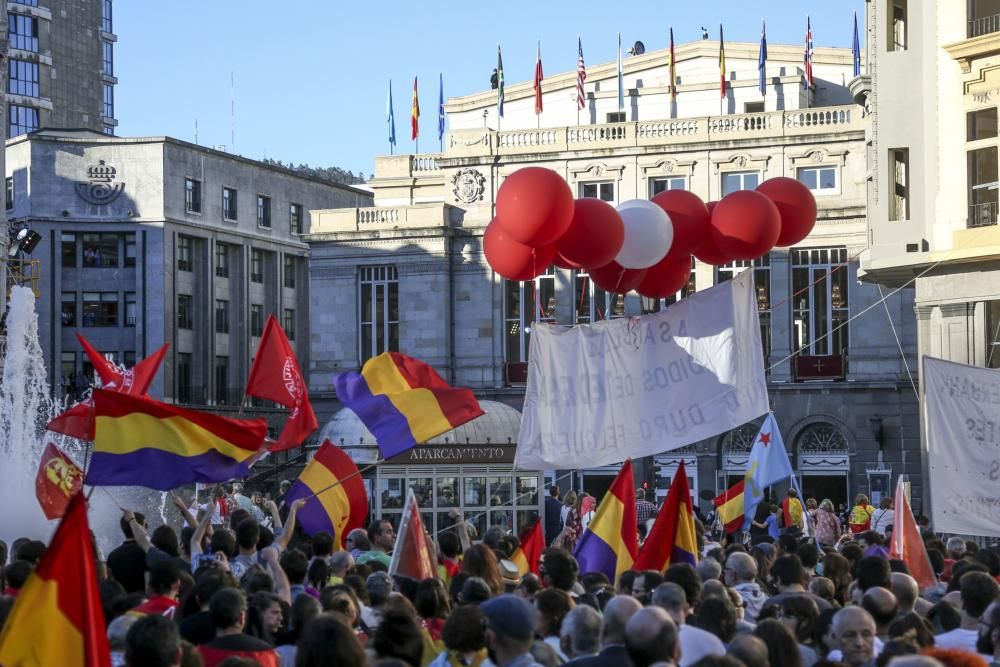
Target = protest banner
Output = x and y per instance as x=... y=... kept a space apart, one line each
x=626 y=388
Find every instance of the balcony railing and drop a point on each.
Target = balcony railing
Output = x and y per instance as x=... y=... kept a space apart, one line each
x=983 y=215
x=984 y=25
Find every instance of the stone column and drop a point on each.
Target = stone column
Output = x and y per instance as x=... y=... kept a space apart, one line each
x=781 y=316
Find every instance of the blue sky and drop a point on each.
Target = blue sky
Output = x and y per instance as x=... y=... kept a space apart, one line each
x=311 y=75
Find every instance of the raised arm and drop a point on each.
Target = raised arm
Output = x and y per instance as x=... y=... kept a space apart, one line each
x=272 y=509
x=282 y=587
x=183 y=509
x=138 y=532
x=281 y=542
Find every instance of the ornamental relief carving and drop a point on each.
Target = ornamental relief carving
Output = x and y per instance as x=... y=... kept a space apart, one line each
x=468 y=185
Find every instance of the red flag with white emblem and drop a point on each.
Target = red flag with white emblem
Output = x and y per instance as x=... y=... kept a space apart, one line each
x=413 y=555
x=58 y=479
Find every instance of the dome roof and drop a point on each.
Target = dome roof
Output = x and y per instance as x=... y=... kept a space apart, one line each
x=501 y=423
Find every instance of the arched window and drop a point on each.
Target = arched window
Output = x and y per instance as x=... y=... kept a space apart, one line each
x=821 y=438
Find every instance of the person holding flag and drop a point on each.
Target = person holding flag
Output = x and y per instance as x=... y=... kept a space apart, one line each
x=768 y=465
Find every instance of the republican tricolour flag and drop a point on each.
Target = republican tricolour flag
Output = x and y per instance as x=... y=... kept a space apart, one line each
x=906 y=544
x=528 y=556
x=539 y=76
x=57 y=618
x=807 y=55
x=762 y=59
x=336 y=499
x=610 y=544
x=404 y=401
x=768 y=464
x=672 y=539
x=722 y=63
x=414 y=555
x=276 y=376
x=581 y=75
x=142 y=442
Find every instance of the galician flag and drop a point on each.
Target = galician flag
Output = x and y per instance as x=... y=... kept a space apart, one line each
x=768 y=465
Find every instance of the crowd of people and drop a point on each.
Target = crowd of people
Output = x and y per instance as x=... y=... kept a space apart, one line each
x=239 y=584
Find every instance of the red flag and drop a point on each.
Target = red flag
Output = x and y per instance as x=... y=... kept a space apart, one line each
x=730 y=504
x=77 y=421
x=57 y=618
x=414 y=555
x=906 y=544
x=538 y=80
x=275 y=376
x=57 y=481
x=528 y=556
x=672 y=539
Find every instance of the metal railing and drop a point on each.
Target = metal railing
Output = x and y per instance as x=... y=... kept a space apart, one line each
x=984 y=25
x=983 y=215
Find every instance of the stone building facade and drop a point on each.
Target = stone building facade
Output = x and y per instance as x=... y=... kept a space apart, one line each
x=409 y=273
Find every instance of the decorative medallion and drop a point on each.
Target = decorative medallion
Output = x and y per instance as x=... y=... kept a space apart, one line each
x=469 y=185
x=740 y=162
x=102 y=189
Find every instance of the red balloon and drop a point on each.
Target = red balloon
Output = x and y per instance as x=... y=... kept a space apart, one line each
x=513 y=260
x=613 y=277
x=708 y=252
x=564 y=263
x=666 y=277
x=796 y=205
x=690 y=217
x=534 y=206
x=595 y=234
x=745 y=225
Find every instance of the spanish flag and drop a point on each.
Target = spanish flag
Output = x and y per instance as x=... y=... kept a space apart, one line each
x=672 y=539
x=730 y=507
x=336 y=499
x=404 y=402
x=57 y=618
x=415 y=113
x=528 y=556
x=142 y=442
x=611 y=542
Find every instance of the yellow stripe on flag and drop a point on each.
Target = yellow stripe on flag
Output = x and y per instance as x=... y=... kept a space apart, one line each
x=136 y=431
x=335 y=502
x=519 y=559
x=419 y=406
x=607 y=524
x=731 y=509
x=37 y=633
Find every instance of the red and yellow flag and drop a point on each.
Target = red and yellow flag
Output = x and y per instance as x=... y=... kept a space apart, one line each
x=528 y=556
x=672 y=539
x=58 y=480
x=336 y=501
x=730 y=504
x=57 y=618
x=415 y=113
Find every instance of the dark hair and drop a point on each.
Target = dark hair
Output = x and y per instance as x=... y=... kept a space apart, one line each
x=247 y=534
x=152 y=641
x=560 y=567
x=474 y=591
x=322 y=544
x=823 y=623
x=226 y=607
x=716 y=614
x=872 y=571
x=398 y=636
x=808 y=555
x=782 y=649
x=375 y=529
x=718 y=661
x=943 y=617
x=163 y=576
x=140 y=519
x=449 y=544
x=531 y=584
x=895 y=648
x=912 y=626
x=853 y=552
x=210 y=583
x=318 y=573
x=431 y=600
x=356 y=582
x=266 y=538
x=936 y=558
x=165 y=539
x=979 y=589
x=304 y=609
x=296 y=565
x=326 y=641
x=788 y=543
x=480 y=561
x=787 y=570
x=256 y=580
x=129 y=601
x=224 y=541
x=237 y=517
x=17 y=573
x=553 y=605
x=684 y=576
x=465 y=629
x=805 y=611
x=257 y=605
x=991 y=559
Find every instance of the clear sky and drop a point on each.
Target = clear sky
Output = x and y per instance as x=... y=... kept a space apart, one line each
x=311 y=75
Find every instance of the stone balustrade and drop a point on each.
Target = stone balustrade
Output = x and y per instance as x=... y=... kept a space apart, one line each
x=379 y=218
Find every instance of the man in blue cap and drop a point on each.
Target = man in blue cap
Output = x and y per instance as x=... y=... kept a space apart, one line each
x=510 y=630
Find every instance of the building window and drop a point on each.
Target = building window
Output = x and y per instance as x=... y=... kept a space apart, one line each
x=23 y=32
x=762 y=282
x=295 y=218
x=735 y=181
x=263 y=211
x=185 y=311
x=993 y=334
x=109 y=100
x=649 y=305
x=130 y=249
x=290 y=266
x=525 y=303
x=22 y=77
x=981 y=124
x=128 y=358
x=379 y=304
x=22 y=120
x=658 y=185
x=221 y=380
x=69 y=309
x=9 y=192
x=753 y=107
x=256 y=319
x=221 y=260
x=615 y=117
x=67 y=371
x=593 y=303
x=820 y=305
x=288 y=322
x=131 y=311
x=100 y=250
x=897 y=16
x=183 y=253
x=68 y=241
x=256 y=266
x=221 y=316
x=899 y=175
x=29 y=3
x=983 y=183
x=108 y=61
x=192 y=195
x=983 y=16
x=229 y=203
x=100 y=309
x=183 y=377
x=605 y=191
x=821 y=180
x=106 y=15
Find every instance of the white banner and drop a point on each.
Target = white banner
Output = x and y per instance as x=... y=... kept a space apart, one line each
x=601 y=393
x=962 y=413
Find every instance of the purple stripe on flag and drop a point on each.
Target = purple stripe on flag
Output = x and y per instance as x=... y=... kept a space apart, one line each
x=678 y=555
x=312 y=517
x=388 y=425
x=595 y=555
x=160 y=470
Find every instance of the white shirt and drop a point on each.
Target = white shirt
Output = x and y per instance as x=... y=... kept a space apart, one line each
x=958 y=638
x=697 y=643
x=882 y=519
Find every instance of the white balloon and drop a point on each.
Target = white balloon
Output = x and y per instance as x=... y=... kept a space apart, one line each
x=649 y=233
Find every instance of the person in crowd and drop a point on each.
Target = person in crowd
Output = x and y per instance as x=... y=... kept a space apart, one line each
x=153 y=641
x=228 y=609
x=978 y=591
x=800 y=615
x=449 y=556
x=327 y=641
x=616 y=616
x=580 y=633
x=357 y=543
x=750 y=650
x=861 y=514
x=644 y=511
x=853 y=632
x=163 y=589
x=644 y=585
x=558 y=569
x=464 y=638
x=510 y=630
x=127 y=562
x=988 y=641
x=480 y=561
x=884 y=517
x=741 y=574
x=827 y=525
x=304 y=609
x=695 y=643
x=379 y=587
x=553 y=514
x=382 y=538
x=789 y=578
x=265 y=616
x=553 y=606
x=881 y=604
x=792 y=511
x=431 y=601
x=782 y=649
x=717 y=614
x=651 y=637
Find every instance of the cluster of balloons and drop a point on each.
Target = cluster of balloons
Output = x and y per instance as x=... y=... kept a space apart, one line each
x=642 y=245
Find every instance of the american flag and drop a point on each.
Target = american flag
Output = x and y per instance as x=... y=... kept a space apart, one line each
x=807 y=56
x=581 y=76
